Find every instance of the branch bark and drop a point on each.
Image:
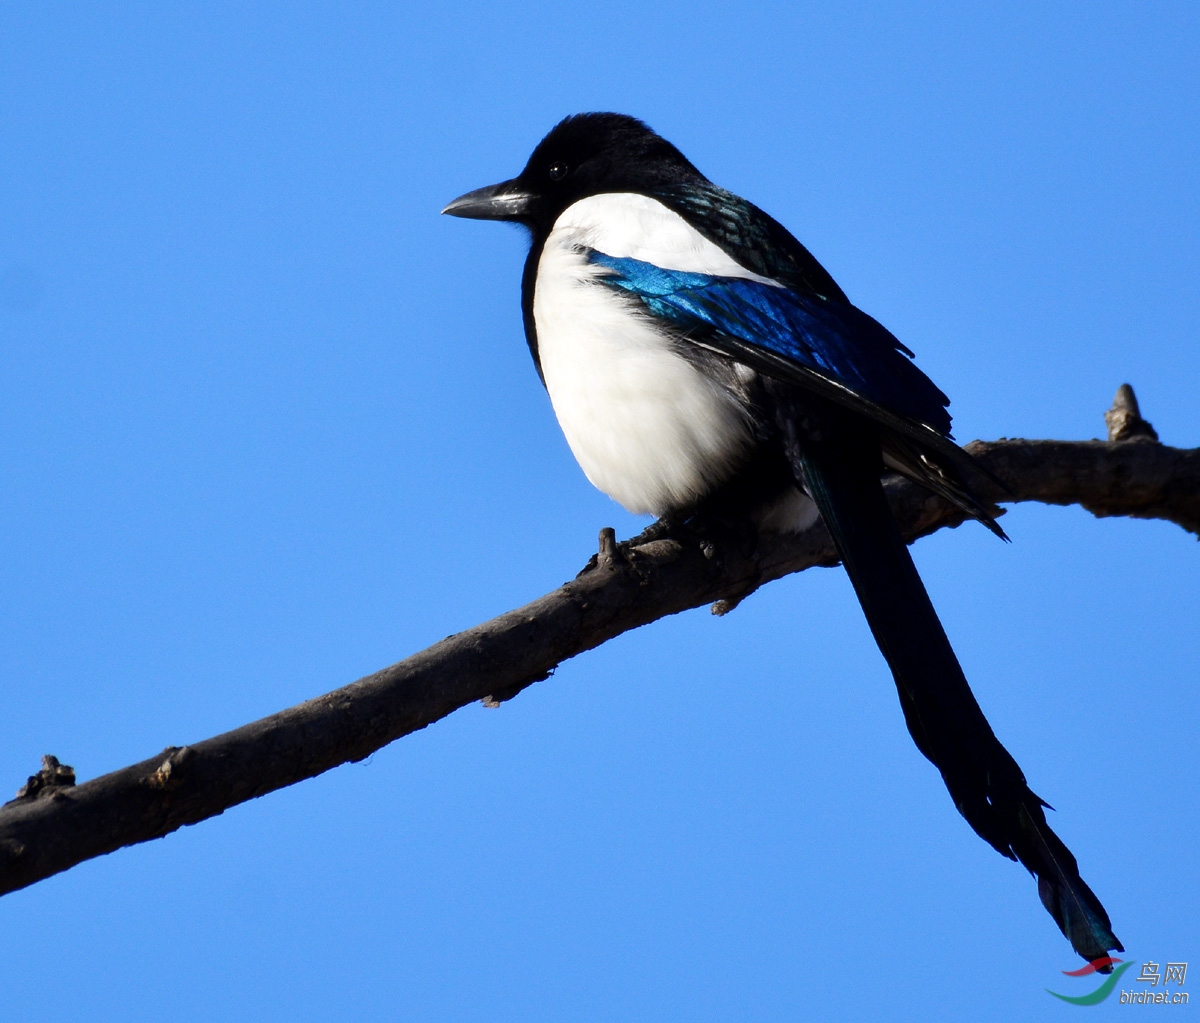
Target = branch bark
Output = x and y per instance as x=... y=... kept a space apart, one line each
x=55 y=824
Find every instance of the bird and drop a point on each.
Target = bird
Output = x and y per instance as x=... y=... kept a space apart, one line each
x=705 y=368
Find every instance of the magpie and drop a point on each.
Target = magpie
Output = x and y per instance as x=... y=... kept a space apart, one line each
x=705 y=367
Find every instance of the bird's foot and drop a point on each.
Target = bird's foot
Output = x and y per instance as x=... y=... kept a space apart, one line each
x=665 y=528
x=720 y=536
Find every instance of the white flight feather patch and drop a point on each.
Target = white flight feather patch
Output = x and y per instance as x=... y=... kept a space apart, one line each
x=628 y=225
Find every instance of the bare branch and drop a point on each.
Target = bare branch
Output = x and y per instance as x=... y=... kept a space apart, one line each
x=54 y=825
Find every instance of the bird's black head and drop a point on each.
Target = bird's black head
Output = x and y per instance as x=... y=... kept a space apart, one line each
x=583 y=155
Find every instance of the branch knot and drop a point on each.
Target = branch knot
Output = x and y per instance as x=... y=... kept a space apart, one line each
x=1124 y=420
x=52 y=777
x=170 y=772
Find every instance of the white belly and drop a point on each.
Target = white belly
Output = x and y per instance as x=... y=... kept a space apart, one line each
x=647 y=427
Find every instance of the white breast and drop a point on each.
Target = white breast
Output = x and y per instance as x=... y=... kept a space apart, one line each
x=646 y=426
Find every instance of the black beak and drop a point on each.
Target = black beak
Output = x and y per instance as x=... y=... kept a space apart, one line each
x=505 y=201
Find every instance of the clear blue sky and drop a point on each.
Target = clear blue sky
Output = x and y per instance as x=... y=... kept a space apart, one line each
x=268 y=423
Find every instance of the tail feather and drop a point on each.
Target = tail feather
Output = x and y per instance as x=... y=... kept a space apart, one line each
x=1065 y=894
x=838 y=462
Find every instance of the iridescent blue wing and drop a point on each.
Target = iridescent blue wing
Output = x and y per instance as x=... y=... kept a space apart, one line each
x=822 y=344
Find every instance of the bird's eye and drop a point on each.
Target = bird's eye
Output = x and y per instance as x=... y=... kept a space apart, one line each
x=558 y=171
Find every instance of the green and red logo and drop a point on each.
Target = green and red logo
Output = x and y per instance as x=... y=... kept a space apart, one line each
x=1103 y=964
x=1145 y=990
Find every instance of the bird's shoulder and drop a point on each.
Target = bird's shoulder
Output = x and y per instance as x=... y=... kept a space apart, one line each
x=751 y=236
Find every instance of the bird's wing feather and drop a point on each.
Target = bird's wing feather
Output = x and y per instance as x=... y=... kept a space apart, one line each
x=824 y=345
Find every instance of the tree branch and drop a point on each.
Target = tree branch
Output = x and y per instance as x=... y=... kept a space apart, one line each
x=55 y=824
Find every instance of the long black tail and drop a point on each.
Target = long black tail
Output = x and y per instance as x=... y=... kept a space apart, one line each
x=838 y=461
